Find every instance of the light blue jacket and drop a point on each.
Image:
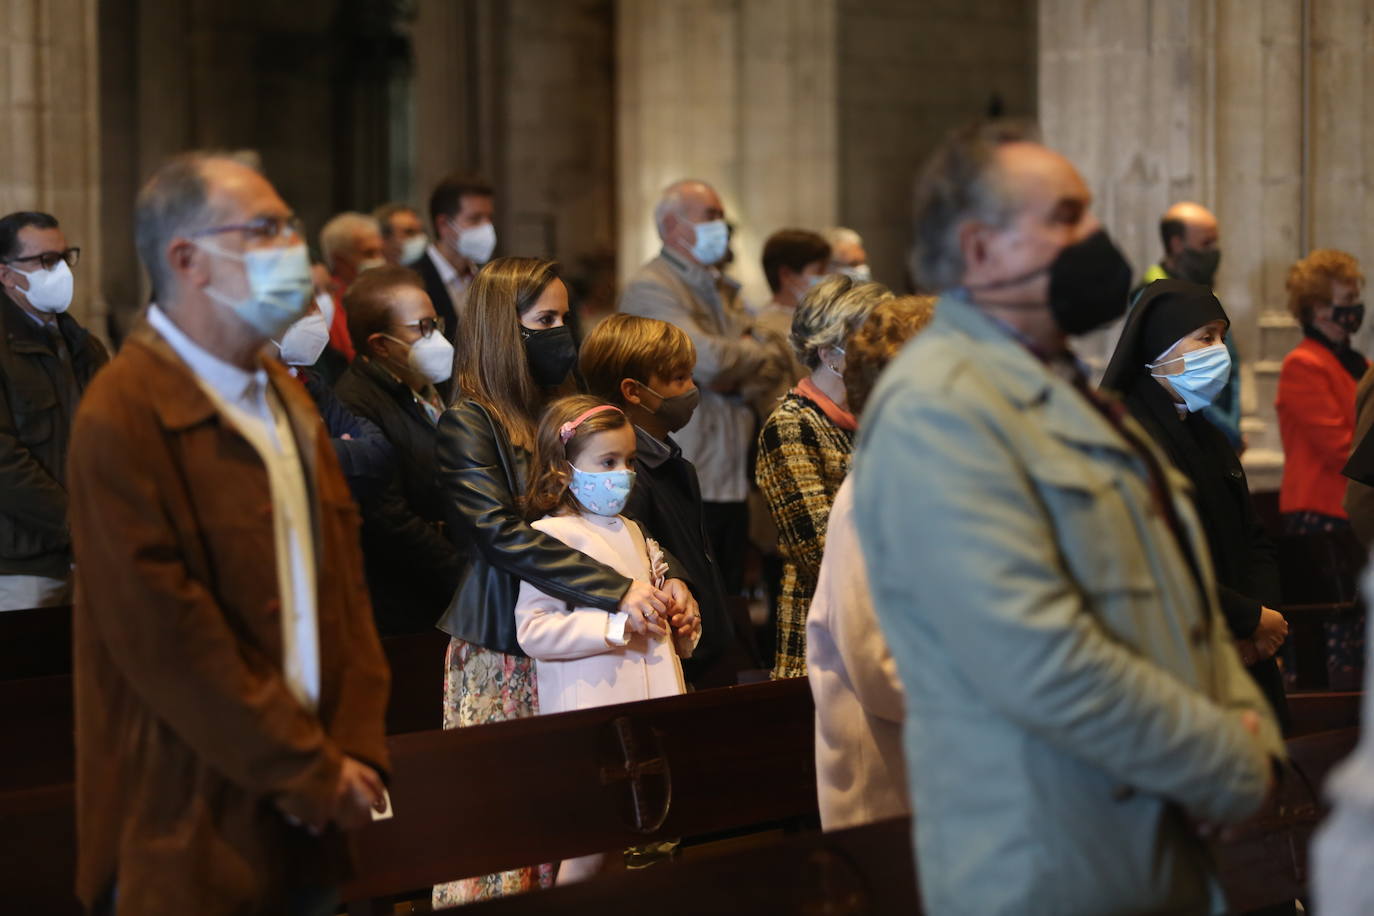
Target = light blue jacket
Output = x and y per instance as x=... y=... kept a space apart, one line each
x=1071 y=689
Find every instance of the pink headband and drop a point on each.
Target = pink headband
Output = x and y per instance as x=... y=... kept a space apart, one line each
x=565 y=432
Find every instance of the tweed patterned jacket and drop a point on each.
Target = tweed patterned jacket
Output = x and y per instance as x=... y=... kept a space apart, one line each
x=803 y=458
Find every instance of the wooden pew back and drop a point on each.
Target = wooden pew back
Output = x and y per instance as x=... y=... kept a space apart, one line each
x=551 y=787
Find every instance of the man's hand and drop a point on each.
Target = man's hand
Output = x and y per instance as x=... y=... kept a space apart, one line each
x=647 y=607
x=686 y=613
x=1250 y=721
x=358 y=793
x=1271 y=632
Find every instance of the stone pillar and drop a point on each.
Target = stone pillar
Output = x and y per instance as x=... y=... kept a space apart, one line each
x=1255 y=108
x=738 y=93
x=49 y=122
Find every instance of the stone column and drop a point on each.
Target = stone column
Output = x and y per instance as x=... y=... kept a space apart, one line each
x=49 y=122
x=1222 y=102
x=738 y=93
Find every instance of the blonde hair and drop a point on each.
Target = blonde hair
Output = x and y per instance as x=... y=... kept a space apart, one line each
x=492 y=367
x=875 y=342
x=1309 y=280
x=627 y=346
x=547 y=490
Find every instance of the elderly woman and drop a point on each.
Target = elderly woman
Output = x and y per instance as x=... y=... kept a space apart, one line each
x=860 y=777
x=1316 y=397
x=1170 y=364
x=805 y=448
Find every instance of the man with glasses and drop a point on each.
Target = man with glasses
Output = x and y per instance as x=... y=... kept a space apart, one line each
x=412 y=567
x=230 y=687
x=46 y=361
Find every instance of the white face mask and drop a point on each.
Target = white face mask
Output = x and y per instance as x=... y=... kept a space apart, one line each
x=476 y=244
x=859 y=273
x=326 y=306
x=413 y=248
x=49 y=290
x=430 y=357
x=371 y=263
x=305 y=340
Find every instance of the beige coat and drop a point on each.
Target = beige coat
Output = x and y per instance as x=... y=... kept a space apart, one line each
x=859 y=773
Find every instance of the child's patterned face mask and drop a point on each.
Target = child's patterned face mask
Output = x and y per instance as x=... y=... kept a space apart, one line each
x=602 y=492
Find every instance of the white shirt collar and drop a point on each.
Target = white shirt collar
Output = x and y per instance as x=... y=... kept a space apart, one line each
x=447 y=272
x=231 y=382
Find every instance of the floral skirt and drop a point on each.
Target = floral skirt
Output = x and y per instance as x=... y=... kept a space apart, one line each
x=481 y=687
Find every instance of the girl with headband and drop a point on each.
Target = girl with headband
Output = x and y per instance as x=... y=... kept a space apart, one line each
x=584 y=656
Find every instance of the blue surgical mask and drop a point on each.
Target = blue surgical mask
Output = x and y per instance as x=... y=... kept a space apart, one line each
x=279 y=286
x=602 y=492
x=1205 y=373
x=713 y=238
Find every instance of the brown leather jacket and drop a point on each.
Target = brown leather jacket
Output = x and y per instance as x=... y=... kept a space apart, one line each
x=186 y=732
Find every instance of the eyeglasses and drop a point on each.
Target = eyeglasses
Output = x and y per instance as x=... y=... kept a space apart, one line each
x=48 y=259
x=263 y=229
x=426 y=326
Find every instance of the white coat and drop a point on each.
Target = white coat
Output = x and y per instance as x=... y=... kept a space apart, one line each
x=859 y=771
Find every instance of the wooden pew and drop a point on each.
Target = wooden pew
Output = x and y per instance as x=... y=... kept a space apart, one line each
x=588 y=781
x=35 y=643
x=1323 y=711
x=858 y=871
x=869 y=869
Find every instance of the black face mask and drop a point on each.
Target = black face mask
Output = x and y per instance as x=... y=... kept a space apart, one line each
x=1197 y=266
x=1348 y=317
x=551 y=353
x=1089 y=283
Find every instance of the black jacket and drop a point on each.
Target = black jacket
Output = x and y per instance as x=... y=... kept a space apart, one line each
x=365 y=456
x=666 y=501
x=38 y=398
x=412 y=566
x=1243 y=557
x=480 y=476
x=444 y=306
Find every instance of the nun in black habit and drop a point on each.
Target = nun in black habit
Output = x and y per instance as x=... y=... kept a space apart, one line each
x=1168 y=365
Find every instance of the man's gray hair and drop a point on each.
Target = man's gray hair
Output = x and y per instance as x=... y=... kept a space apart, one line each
x=959 y=183
x=842 y=235
x=674 y=196
x=175 y=202
x=338 y=234
x=830 y=313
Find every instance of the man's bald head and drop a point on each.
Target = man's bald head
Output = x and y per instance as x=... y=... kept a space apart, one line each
x=1188 y=225
x=689 y=199
x=1192 y=242
x=190 y=192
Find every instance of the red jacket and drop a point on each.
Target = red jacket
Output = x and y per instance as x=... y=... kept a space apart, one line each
x=1316 y=406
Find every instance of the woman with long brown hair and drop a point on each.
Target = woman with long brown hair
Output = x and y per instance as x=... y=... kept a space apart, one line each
x=514 y=351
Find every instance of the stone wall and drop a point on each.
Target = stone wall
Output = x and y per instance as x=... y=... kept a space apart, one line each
x=49 y=128
x=1256 y=108
x=908 y=74
x=522 y=92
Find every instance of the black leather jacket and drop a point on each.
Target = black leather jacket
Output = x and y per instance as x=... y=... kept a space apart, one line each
x=480 y=476
x=35 y=425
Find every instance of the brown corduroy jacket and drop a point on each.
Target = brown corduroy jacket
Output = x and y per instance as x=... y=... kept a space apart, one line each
x=186 y=732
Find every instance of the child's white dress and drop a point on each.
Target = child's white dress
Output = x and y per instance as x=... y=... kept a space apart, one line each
x=576 y=666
